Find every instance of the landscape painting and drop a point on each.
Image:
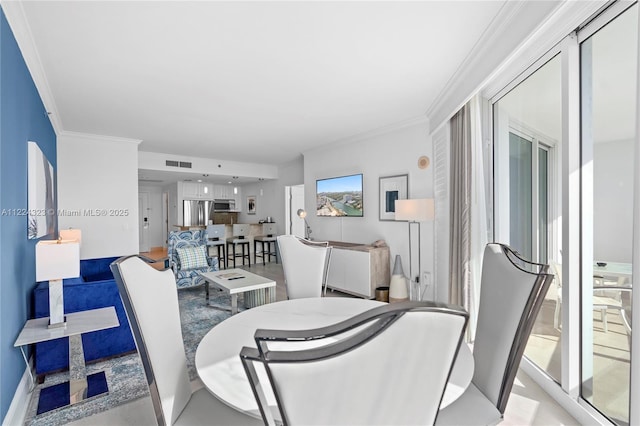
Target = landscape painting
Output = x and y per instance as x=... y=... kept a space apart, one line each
x=339 y=196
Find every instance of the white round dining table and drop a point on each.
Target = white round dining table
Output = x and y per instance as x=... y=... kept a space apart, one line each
x=218 y=354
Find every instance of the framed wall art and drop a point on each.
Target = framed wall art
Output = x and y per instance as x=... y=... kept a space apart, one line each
x=41 y=195
x=251 y=204
x=392 y=188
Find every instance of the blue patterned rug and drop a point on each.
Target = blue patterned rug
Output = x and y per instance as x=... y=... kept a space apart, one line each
x=125 y=375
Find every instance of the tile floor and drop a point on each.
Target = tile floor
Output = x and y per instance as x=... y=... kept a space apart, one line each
x=528 y=404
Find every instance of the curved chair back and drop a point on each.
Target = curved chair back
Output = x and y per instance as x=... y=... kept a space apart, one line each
x=305 y=265
x=389 y=365
x=150 y=300
x=511 y=294
x=215 y=232
x=178 y=239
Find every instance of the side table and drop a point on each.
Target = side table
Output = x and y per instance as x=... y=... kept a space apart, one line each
x=80 y=386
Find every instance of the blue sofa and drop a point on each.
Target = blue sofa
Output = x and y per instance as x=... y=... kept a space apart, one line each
x=95 y=288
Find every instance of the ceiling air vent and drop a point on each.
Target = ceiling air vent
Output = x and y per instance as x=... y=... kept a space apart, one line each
x=185 y=164
x=172 y=163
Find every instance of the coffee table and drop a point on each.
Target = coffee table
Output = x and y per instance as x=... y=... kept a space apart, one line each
x=260 y=290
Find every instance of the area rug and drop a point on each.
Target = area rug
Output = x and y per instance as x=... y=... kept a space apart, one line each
x=125 y=375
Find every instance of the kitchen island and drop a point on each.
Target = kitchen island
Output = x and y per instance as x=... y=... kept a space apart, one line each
x=255 y=229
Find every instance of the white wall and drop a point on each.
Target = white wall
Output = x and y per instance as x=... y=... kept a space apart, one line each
x=272 y=201
x=154 y=215
x=388 y=154
x=98 y=192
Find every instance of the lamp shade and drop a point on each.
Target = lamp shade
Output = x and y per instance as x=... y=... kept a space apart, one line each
x=71 y=234
x=417 y=210
x=302 y=213
x=57 y=259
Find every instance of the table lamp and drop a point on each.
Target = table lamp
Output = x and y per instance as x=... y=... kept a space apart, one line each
x=56 y=260
x=415 y=211
x=71 y=234
x=303 y=215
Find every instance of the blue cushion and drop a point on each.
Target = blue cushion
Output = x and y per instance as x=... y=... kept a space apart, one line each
x=100 y=276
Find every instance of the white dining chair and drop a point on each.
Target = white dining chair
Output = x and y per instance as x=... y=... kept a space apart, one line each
x=605 y=296
x=305 y=264
x=386 y=366
x=512 y=290
x=150 y=300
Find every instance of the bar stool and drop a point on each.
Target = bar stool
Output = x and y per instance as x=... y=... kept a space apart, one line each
x=215 y=238
x=268 y=237
x=240 y=234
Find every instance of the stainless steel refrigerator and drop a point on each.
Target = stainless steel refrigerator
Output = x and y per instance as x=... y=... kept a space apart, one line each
x=197 y=212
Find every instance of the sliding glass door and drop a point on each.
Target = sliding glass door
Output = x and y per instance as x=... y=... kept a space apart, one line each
x=608 y=60
x=527 y=134
x=564 y=143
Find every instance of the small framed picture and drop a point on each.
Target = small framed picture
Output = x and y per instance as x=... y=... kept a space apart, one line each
x=251 y=204
x=392 y=188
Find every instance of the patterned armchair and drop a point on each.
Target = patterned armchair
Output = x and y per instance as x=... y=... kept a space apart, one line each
x=188 y=255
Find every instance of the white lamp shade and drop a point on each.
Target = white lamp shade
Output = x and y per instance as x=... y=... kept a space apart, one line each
x=57 y=259
x=71 y=234
x=418 y=210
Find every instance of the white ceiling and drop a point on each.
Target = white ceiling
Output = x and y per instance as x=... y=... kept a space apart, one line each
x=247 y=81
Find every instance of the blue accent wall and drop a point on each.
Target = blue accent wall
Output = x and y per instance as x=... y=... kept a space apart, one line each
x=23 y=118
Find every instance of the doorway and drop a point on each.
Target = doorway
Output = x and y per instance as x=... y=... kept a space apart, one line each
x=143 y=221
x=294 y=200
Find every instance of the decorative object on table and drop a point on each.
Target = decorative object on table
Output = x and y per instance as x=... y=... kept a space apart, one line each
x=392 y=189
x=162 y=348
x=398 y=285
x=42 y=204
x=382 y=294
x=251 y=204
x=302 y=214
x=305 y=265
x=415 y=211
x=56 y=260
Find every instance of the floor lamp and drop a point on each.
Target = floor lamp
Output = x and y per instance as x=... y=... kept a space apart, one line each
x=415 y=211
x=307 y=229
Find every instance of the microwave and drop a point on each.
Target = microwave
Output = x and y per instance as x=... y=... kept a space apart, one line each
x=224 y=205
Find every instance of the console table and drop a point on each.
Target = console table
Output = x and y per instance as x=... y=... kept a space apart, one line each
x=358 y=269
x=80 y=386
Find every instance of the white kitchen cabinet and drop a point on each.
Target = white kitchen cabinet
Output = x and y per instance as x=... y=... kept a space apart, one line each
x=223 y=192
x=197 y=191
x=358 y=269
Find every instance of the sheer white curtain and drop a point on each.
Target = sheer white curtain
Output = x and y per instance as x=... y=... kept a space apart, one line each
x=468 y=212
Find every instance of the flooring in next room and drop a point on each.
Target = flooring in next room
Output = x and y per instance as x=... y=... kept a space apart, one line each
x=528 y=404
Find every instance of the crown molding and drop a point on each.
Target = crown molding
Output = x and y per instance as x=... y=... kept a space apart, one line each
x=503 y=19
x=564 y=20
x=15 y=14
x=511 y=27
x=411 y=122
x=99 y=138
